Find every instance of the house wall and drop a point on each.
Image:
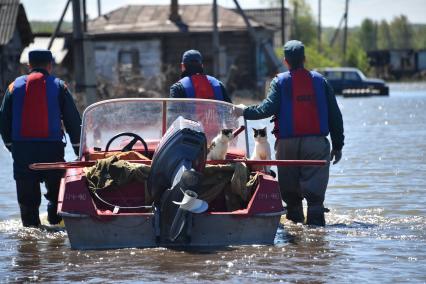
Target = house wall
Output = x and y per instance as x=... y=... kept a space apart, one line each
x=236 y=50
x=108 y=54
x=421 y=60
x=9 y=61
x=242 y=61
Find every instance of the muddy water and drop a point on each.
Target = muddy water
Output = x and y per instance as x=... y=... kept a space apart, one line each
x=375 y=232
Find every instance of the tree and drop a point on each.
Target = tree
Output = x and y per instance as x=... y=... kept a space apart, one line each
x=368 y=35
x=303 y=22
x=402 y=33
x=384 y=36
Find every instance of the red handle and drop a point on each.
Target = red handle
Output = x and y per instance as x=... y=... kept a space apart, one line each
x=82 y=164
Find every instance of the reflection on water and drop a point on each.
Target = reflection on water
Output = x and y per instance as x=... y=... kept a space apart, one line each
x=376 y=228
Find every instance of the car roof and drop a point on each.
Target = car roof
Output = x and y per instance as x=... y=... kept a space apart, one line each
x=340 y=69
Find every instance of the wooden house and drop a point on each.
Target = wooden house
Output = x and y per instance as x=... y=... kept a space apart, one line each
x=149 y=40
x=271 y=18
x=15 y=35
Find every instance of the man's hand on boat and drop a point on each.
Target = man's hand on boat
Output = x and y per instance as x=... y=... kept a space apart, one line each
x=239 y=110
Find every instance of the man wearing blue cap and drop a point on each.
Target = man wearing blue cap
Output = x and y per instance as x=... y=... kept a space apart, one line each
x=34 y=108
x=305 y=111
x=194 y=83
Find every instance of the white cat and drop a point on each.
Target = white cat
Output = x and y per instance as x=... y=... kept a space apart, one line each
x=219 y=146
x=262 y=150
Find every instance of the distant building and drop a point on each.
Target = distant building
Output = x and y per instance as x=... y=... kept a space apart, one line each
x=271 y=18
x=143 y=40
x=421 y=60
x=15 y=35
x=397 y=63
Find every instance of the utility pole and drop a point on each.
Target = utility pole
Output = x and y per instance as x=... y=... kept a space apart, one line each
x=282 y=22
x=269 y=51
x=295 y=34
x=216 y=44
x=84 y=73
x=78 y=52
x=345 y=31
x=319 y=25
x=58 y=25
x=84 y=17
x=99 y=8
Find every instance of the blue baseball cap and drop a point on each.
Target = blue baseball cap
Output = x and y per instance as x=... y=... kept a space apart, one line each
x=294 y=51
x=40 y=56
x=192 y=55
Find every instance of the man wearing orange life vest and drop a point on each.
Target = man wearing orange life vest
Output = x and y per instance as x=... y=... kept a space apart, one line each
x=31 y=116
x=306 y=112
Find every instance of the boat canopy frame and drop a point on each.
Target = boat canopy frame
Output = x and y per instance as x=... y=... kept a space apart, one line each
x=110 y=117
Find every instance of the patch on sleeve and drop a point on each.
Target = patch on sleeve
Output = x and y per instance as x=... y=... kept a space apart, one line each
x=10 y=88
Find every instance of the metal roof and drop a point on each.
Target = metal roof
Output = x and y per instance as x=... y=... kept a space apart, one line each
x=58 y=49
x=155 y=19
x=340 y=69
x=12 y=16
x=269 y=16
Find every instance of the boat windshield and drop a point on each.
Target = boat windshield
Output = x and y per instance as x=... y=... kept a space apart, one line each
x=150 y=118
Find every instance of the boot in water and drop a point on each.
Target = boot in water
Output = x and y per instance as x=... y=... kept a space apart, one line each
x=52 y=215
x=295 y=213
x=316 y=215
x=29 y=216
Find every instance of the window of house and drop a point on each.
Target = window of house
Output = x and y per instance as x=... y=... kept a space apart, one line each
x=128 y=62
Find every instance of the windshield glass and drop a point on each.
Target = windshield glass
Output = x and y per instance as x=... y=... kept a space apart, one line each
x=150 y=118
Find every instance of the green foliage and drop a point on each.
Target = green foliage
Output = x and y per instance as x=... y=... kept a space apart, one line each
x=368 y=34
x=303 y=22
x=384 y=37
x=356 y=55
x=49 y=27
x=402 y=33
x=419 y=38
x=315 y=59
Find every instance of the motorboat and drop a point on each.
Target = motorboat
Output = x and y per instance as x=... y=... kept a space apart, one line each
x=169 y=207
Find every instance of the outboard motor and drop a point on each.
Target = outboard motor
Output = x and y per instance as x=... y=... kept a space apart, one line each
x=175 y=170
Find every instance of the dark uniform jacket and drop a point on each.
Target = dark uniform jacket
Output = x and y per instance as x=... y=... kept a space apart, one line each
x=271 y=106
x=178 y=91
x=27 y=152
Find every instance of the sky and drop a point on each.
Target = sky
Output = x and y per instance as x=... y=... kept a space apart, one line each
x=332 y=10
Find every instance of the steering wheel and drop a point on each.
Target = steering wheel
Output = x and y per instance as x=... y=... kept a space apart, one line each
x=130 y=145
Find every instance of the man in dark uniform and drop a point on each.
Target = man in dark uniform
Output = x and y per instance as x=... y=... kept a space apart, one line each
x=31 y=116
x=194 y=83
x=306 y=111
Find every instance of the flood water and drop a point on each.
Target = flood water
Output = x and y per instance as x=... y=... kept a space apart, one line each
x=375 y=231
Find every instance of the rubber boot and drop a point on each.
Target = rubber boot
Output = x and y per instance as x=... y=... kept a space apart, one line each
x=29 y=216
x=52 y=214
x=295 y=213
x=316 y=215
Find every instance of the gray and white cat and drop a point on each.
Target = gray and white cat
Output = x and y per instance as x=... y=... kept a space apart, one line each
x=219 y=145
x=262 y=150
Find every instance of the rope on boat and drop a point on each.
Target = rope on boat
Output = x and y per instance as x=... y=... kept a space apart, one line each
x=117 y=207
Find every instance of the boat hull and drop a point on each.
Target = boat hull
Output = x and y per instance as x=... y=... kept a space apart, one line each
x=207 y=230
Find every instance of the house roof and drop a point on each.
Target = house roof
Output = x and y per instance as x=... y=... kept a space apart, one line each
x=12 y=16
x=268 y=16
x=58 y=48
x=155 y=19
